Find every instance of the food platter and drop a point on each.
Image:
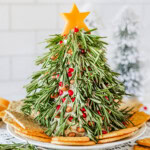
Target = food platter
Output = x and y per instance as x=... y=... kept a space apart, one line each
x=97 y=146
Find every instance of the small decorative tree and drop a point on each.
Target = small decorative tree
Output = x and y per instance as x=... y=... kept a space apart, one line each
x=76 y=93
x=126 y=51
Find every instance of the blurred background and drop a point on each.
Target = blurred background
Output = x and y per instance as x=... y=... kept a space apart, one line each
x=24 y=24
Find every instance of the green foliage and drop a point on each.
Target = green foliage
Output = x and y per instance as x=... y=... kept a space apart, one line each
x=17 y=147
x=95 y=87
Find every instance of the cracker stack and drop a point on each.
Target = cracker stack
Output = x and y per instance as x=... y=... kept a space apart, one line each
x=26 y=126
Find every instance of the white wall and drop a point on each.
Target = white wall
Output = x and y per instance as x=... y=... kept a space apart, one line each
x=26 y=23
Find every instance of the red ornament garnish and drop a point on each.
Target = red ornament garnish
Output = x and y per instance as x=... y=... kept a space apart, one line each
x=145 y=108
x=82 y=51
x=60 y=92
x=58 y=76
x=69 y=74
x=106 y=84
x=70 y=92
x=104 y=132
x=63 y=100
x=76 y=30
x=73 y=99
x=70 y=118
x=99 y=112
x=58 y=107
x=60 y=83
x=107 y=98
x=65 y=36
x=70 y=70
x=124 y=123
x=83 y=109
x=60 y=42
x=84 y=115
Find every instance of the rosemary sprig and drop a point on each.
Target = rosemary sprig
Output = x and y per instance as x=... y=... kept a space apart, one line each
x=19 y=146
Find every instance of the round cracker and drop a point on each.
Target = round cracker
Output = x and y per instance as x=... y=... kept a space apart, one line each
x=144 y=142
x=114 y=138
x=41 y=139
x=118 y=133
x=73 y=143
x=70 y=139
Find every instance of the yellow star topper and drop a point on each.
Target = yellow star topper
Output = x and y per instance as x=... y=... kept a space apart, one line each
x=74 y=19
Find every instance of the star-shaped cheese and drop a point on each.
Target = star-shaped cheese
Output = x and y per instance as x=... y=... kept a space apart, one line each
x=74 y=19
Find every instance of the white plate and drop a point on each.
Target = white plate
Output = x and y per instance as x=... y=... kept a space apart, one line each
x=97 y=146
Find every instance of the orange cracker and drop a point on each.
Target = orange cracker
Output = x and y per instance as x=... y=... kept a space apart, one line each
x=71 y=139
x=140 y=125
x=136 y=147
x=32 y=133
x=118 y=133
x=74 y=143
x=138 y=118
x=114 y=138
x=144 y=142
x=2 y=108
x=41 y=139
x=4 y=102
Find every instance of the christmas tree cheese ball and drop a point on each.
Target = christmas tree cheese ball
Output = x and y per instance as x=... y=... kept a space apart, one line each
x=76 y=93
